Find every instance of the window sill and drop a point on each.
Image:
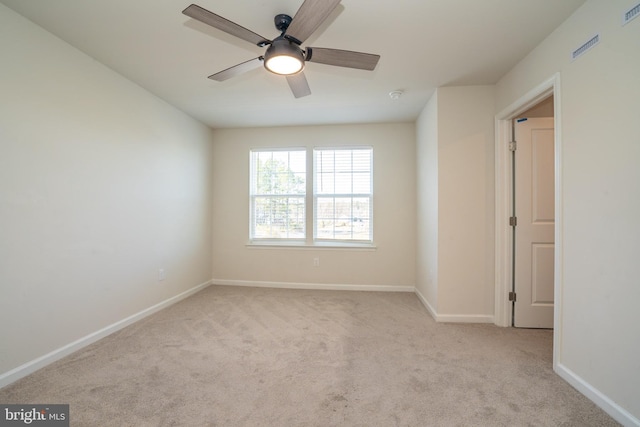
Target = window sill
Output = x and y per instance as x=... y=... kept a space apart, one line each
x=311 y=246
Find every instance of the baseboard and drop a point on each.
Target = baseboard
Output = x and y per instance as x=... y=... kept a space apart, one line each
x=32 y=366
x=317 y=286
x=454 y=318
x=465 y=318
x=609 y=406
x=426 y=304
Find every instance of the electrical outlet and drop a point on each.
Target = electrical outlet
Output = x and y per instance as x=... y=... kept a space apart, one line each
x=162 y=274
x=316 y=261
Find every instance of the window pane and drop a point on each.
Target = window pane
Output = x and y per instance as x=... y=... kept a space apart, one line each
x=279 y=172
x=362 y=230
x=343 y=183
x=343 y=194
x=279 y=217
x=362 y=182
x=325 y=183
x=324 y=217
x=343 y=161
x=361 y=160
x=361 y=208
x=298 y=162
x=278 y=188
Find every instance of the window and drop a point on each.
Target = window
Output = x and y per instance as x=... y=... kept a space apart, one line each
x=342 y=196
x=278 y=191
x=338 y=207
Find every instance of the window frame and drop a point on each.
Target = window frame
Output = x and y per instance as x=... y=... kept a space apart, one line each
x=253 y=195
x=310 y=241
x=352 y=195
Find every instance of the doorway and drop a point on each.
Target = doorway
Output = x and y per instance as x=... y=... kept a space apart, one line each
x=504 y=248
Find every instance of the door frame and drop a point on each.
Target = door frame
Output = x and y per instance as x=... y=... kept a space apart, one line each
x=503 y=200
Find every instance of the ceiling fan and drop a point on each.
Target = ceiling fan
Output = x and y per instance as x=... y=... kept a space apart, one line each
x=285 y=56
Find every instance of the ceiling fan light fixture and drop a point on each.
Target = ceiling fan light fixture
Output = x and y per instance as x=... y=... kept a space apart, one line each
x=284 y=57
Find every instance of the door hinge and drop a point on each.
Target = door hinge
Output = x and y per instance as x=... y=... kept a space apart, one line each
x=513 y=145
x=513 y=221
x=512 y=296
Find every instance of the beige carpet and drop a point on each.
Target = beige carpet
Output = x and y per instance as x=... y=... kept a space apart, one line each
x=272 y=357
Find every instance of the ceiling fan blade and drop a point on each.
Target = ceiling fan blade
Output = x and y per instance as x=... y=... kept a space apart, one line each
x=203 y=15
x=236 y=70
x=342 y=58
x=308 y=18
x=298 y=84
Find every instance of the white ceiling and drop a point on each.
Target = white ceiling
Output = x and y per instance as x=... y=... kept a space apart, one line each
x=423 y=44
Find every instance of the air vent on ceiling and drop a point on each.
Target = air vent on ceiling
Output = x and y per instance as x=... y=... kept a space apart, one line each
x=585 y=47
x=630 y=14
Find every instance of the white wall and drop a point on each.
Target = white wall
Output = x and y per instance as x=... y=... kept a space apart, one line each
x=101 y=184
x=392 y=263
x=427 y=204
x=466 y=200
x=456 y=132
x=600 y=106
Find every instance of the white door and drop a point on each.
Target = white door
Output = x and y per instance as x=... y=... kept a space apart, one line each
x=534 y=233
